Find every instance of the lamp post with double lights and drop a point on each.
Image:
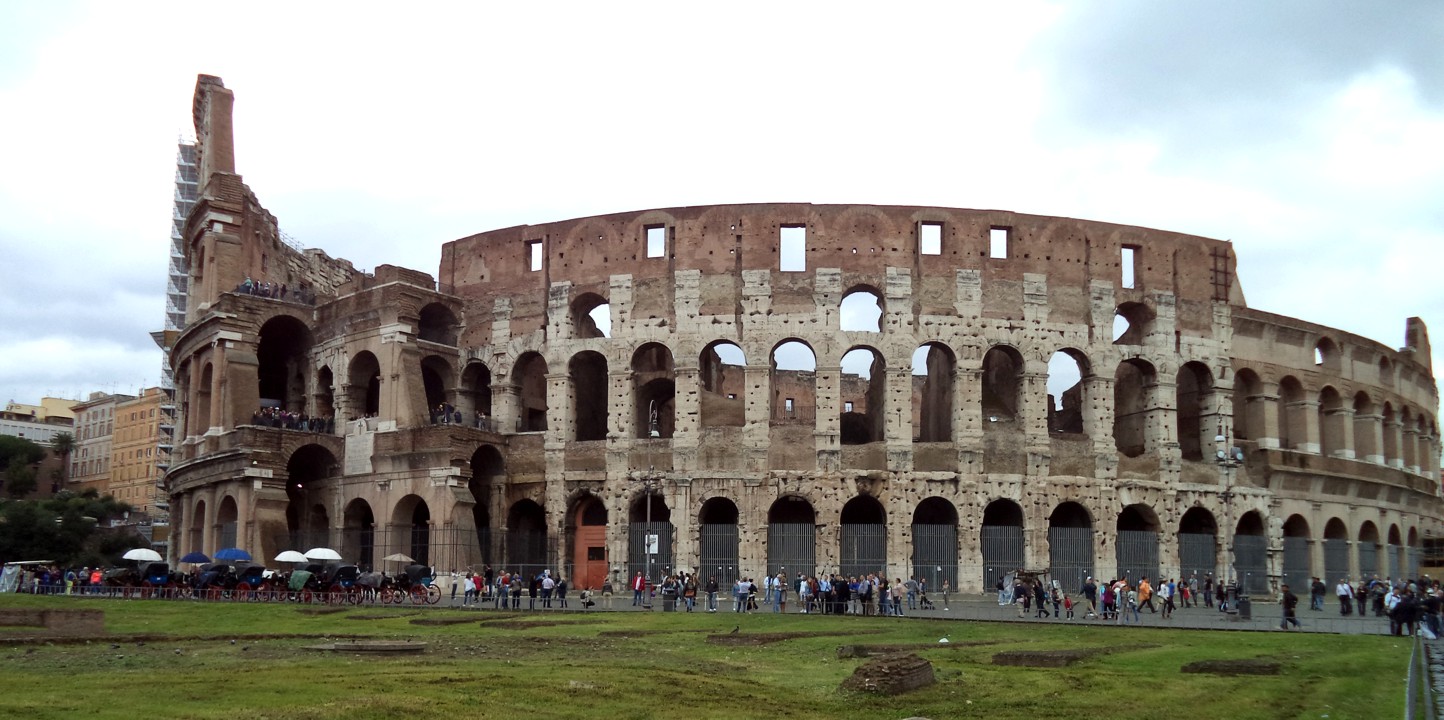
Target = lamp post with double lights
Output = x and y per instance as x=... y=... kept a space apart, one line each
x=1229 y=458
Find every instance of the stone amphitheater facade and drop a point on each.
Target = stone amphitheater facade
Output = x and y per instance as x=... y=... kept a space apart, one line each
x=685 y=366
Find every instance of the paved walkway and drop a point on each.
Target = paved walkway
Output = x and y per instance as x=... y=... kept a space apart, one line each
x=1266 y=615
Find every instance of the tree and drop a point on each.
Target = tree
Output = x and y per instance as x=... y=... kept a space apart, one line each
x=14 y=447
x=62 y=445
x=68 y=528
x=19 y=478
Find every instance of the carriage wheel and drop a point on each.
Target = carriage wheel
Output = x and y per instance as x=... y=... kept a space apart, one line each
x=308 y=597
x=263 y=592
x=353 y=595
x=214 y=594
x=336 y=594
x=242 y=592
x=433 y=595
x=418 y=595
x=146 y=590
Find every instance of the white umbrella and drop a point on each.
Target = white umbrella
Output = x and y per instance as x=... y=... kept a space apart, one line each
x=143 y=555
x=322 y=554
x=291 y=556
x=398 y=557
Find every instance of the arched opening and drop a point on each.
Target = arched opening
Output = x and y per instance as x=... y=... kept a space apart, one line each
x=589 y=386
x=1413 y=554
x=281 y=363
x=203 y=418
x=1250 y=553
x=794 y=384
x=1298 y=568
x=933 y=379
x=435 y=374
x=1393 y=550
x=654 y=536
x=1368 y=550
x=861 y=310
x=1134 y=386
x=1194 y=395
x=411 y=521
x=364 y=385
x=526 y=538
x=719 y=541
x=437 y=323
x=654 y=385
x=935 y=543
x=1336 y=551
x=226 y=516
x=530 y=376
x=588 y=528
x=1248 y=409
x=358 y=534
x=475 y=396
x=197 y=537
x=591 y=317
x=863 y=396
x=488 y=477
x=1132 y=322
x=1067 y=398
x=1197 y=544
x=1137 y=544
x=1002 y=541
x=1326 y=355
x=1070 y=544
x=1002 y=386
x=307 y=471
x=791 y=536
x=325 y=393
x=1366 y=429
x=1332 y=419
x=863 y=537
x=723 y=384
x=1293 y=427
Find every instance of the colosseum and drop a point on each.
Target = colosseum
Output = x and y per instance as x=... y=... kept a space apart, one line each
x=945 y=393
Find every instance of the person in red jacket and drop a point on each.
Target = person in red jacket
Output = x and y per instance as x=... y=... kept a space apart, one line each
x=639 y=585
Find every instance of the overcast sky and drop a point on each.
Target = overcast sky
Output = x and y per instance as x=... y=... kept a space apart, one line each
x=1311 y=134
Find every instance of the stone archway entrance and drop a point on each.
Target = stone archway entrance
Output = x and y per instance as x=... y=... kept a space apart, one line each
x=589 y=543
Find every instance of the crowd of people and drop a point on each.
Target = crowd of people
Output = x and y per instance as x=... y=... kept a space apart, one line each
x=276 y=291
x=287 y=420
x=448 y=414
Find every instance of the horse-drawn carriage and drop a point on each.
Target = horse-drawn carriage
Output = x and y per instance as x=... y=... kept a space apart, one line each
x=142 y=579
x=415 y=582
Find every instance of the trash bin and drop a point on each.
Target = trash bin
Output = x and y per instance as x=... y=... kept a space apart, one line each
x=1245 y=609
x=669 y=603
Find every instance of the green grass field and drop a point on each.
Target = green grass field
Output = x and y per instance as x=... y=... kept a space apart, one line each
x=635 y=665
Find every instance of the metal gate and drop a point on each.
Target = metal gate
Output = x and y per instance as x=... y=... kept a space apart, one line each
x=935 y=555
x=792 y=546
x=1002 y=551
x=864 y=549
x=1368 y=560
x=637 y=533
x=1336 y=561
x=1298 y=571
x=1138 y=555
x=1251 y=553
x=1070 y=556
x=719 y=554
x=1197 y=555
x=526 y=552
x=1393 y=551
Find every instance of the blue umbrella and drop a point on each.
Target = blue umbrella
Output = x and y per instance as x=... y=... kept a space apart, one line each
x=233 y=554
x=197 y=558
